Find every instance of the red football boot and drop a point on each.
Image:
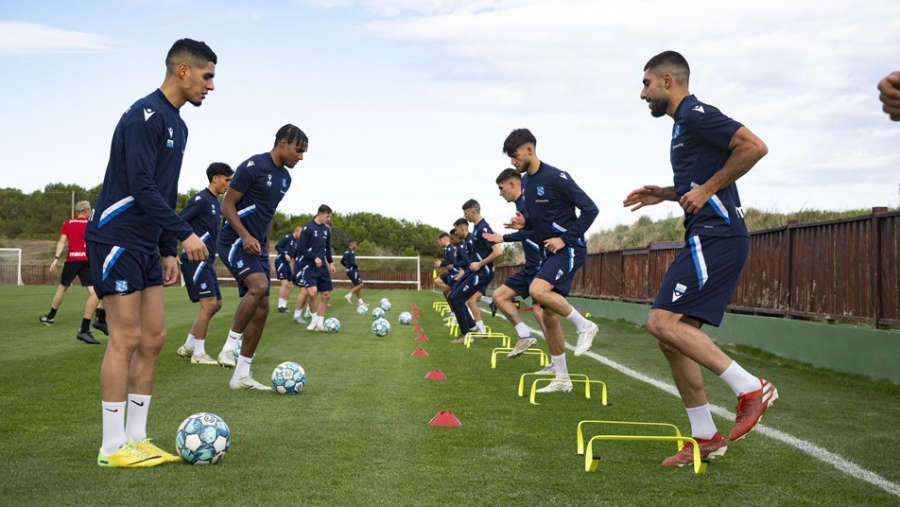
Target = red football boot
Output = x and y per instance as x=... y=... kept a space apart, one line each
x=750 y=409
x=710 y=449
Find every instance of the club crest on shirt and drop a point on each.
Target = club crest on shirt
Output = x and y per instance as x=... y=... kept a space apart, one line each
x=679 y=291
x=171 y=132
x=269 y=182
x=540 y=190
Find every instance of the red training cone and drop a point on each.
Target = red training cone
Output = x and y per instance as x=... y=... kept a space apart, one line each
x=435 y=375
x=421 y=338
x=420 y=353
x=444 y=418
x=418 y=329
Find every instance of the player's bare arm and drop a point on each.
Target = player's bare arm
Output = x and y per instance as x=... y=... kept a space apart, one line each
x=746 y=151
x=649 y=195
x=170 y=270
x=496 y=251
x=229 y=211
x=493 y=237
x=554 y=244
x=516 y=222
x=60 y=245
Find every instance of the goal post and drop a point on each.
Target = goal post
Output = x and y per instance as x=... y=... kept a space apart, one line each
x=11 y=266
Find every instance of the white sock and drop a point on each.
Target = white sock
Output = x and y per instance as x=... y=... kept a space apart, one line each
x=360 y=301
x=298 y=313
x=136 y=419
x=523 y=330
x=559 y=364
x=348 y=296
x=578 y=319
x=231 y=342
x=189 y=343
x=320 y=320
x=113 y=426
x=739 y=380
x=282 y=303
x=199 y=347
x=243 y=367
x=485 y=299
x=480 y=325
x=702 y=425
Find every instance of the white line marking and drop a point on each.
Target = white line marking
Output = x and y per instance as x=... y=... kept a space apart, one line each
x=821 y=454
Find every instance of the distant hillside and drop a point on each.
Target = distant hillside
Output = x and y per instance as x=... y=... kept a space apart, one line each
x=646 y=231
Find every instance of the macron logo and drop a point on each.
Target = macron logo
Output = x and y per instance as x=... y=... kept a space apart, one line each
x=250 y=164
x=699 y=109
x=148 y=113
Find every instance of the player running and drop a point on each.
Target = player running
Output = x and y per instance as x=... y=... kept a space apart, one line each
x=709 y=152
x=550 y=199
x=314 y=267
x=284 y=266
x=203 y=212
x=348 y=260
x=479 y=272
x=444 y=281
x=133 y=225
x=76 y=264
x=259 y=184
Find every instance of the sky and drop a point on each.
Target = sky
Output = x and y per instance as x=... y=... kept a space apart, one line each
x=407 y=102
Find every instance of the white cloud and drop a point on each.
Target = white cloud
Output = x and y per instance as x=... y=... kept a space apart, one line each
x=17 y=38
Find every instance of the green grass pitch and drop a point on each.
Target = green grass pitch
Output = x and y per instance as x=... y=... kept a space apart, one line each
x=359 y=435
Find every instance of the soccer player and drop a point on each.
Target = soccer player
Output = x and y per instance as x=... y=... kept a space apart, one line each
x=467 y=292
x=510 y=184
x=316 y=266
x=890 y=94
x=284 y=266
x=133 y=226
x=203 y=212
x=259 y=184
x=550 y=199
x=348 y=260
x=444 y=281
x=76 y=264
x=709 y=152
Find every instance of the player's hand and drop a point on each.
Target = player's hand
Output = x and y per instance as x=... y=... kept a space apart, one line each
x=475 y=266
x=194 y=248
x=493 y=237
x=331 y=268
x=53 y=265
x=458 y=275
x=647 y=195
x=170 y=270
x=890 y=94
x=516 y=222
x=251 y=245
x=318 y=262
x=554 y=244
x=437 y=263
x=695 y=199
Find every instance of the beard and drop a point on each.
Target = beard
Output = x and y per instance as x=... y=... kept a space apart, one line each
x=658 y=107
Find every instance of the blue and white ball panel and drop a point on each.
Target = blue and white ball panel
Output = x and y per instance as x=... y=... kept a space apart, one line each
x=702 y=277
x=118 y=270
x=559 y=269
x=288 y=378
x=202 y=439
x=200 y=280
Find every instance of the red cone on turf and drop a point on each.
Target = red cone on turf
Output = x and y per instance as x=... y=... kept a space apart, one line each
x=420 y=353
x=444 y=418
x=418 y=329
x=421 y=338
x=436 y=375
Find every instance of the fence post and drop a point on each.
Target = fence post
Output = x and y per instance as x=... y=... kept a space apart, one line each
x=788 y=230
x=875 y=241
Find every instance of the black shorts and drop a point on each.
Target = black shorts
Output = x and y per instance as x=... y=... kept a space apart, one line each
x=80 y=268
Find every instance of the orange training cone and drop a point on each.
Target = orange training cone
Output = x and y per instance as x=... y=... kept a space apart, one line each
x=418 y=329
x=444 y=418
x=435 y=375
x=421 y=338
x=420 y=353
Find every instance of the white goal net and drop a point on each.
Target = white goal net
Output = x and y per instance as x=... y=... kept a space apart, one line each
x=11 y=266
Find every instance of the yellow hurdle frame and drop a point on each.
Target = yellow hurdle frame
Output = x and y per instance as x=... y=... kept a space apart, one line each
x=469 y=338
x=578 y=378
x=543 y=358
x=591 y=463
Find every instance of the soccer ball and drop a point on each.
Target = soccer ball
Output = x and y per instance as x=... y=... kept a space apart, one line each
x=377 y=313
x=385 y=304
x=381 y=327
x=362 y=309
x=405 y=318
x=202 y=439
x=332 y=325
x=288 y=378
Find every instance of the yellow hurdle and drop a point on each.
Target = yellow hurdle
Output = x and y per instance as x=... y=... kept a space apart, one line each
x=454 y=329
x=591 y=463
x=470 y=338
x=543 y=358
x=578 y=378
x=439 y=306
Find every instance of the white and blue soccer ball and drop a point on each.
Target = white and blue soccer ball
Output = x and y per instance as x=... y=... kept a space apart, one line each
x=202 y=439
x=385 y=304
x=237 y=349
x=405 y=318
x=377 y=313
x=288 y=378
x=332 y=325
x=362 y=309
x=381 y=327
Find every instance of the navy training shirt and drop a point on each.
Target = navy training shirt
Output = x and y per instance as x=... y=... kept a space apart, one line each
x=203 y=212
x=348 y=260
x=479 y=246
x=315 y=241
x=700 y=139
x=136 y=206
x=285 y=245
x=551 y=197
x=533 y=255
x=462 y=255
x=262 y=186
x=449 y=255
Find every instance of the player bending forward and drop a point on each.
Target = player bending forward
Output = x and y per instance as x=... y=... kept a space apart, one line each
x=550 y=198
x=709 y=152
x=258 y=186
x=204 y=213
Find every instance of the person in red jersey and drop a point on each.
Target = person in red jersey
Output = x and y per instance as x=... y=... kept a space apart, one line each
x=76 y=264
